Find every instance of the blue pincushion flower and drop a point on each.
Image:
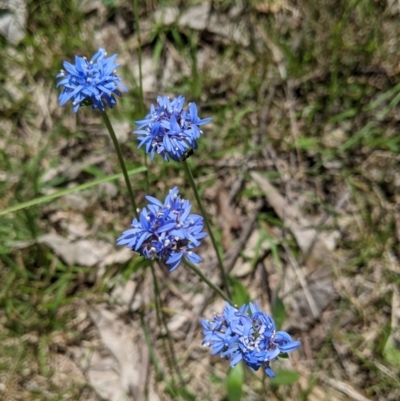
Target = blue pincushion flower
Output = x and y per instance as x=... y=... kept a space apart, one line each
x=238 y=335
x=170 y=130
x=91 y=82
x=166 y=231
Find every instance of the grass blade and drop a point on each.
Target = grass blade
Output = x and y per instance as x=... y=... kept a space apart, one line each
x=47 y=198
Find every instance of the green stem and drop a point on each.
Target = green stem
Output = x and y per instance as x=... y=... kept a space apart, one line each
x=210 y=232
x=159 y=311
x=121 y=160
x=198 y=272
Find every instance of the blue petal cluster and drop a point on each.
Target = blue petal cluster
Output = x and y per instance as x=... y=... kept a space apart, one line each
x=169 y=130
x=91 y=82
x=237 y=335
x=166 y=231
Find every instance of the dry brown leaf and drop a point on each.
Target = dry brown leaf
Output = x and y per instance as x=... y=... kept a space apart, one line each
x=228 y=218
x=71 y=171
x=270 y=6
x=202 y=17
x=115 y=365
x=83 y=253
x=241 y=268
x=317 y=290
x=126 y=295
x=308 y=238
x=394 y=337
x=13 y=22
x=344 y=388
x=118 y=338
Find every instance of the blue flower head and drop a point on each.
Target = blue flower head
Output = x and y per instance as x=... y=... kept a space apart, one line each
x=250 y=337
x=170 y=130
x=91 y=82
x=166 y=231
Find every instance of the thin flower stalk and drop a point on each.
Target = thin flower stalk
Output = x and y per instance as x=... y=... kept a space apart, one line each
x=192 y=183
x=95 y=83
x=121 y=160
x=203 y=278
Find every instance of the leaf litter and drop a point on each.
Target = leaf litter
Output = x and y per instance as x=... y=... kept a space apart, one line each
x=306 y=265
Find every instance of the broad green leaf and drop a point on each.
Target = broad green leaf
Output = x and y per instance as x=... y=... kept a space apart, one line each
x=391 y=352
x=278 y=310
x=186 y=394
x=108 y=3
x=234 y=383
x=240 y=294
x=343 y=116
x=285 y=377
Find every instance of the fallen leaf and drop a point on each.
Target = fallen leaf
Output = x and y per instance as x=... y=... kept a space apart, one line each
x=83 y=253
x=308 y=238
x=227 y=216
x=13 y=22
x=317 y=291
x=118 y=338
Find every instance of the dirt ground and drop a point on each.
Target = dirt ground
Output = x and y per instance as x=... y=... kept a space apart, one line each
x=299 y=172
